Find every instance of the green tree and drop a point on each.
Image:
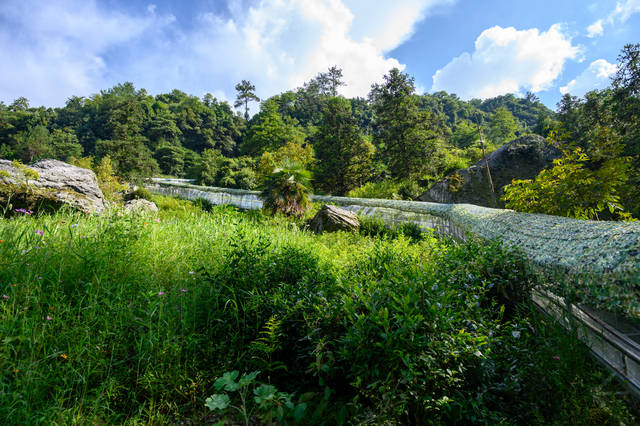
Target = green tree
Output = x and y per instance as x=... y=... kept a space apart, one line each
x=132 y=159
x=246 y=94
x=34 y=144
x=408 y=138
x=269 y=131
x=465 y=135
x=344 y=155
x=502 y=127
x=65 y=145
x=572 y=188
x=287 y=190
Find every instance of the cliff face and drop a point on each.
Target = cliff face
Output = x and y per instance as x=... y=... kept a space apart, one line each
x=522 y=158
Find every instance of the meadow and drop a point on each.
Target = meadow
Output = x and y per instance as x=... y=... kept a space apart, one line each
x=191 y=316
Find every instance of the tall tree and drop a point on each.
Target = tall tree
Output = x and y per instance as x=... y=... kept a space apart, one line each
x=407 y=136
x=246 y=94
x=344 y=154
x=502 y=127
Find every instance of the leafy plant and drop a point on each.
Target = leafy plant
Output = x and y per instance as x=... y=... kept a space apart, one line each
x=270 y=403
x=286 y=190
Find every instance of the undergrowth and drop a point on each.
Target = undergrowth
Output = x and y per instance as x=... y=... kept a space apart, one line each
x=134 y=319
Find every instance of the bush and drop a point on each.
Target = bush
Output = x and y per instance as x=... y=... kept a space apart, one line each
x=203 y=204
x=140 y=193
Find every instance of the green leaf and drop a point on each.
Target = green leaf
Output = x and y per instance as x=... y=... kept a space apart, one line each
x=227 y=381
x=264 y=393
x=217 y=402
x=298 y=412
x=248 y=378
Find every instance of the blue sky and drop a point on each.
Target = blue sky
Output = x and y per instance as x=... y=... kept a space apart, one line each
x=51 y=50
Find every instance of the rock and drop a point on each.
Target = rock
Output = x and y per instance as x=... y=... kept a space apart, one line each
x=332 y=218
x=140 y=206
x=522 y=158
x=58 y=183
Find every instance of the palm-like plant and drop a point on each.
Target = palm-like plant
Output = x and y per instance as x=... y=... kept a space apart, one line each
x=286 y=189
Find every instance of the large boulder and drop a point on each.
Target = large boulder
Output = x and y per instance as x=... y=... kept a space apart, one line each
x=522 y=158
x=57 y=184
x=331 y=218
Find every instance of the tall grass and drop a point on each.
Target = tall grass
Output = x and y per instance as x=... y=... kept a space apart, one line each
x=130 y=319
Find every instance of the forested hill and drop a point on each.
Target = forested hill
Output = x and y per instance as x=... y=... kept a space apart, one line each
x=167 y=133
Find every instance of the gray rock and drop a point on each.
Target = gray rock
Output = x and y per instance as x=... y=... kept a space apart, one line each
x=60 y=182
x=331 y=218
x=140 y=206
x=522 y=158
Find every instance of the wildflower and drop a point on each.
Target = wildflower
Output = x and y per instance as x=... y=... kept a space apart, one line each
x=40 y=277
x=160 y=293
x=64 y=356
x=156 y=220
x=515 y=334
x=5 y=297
x=37 y=247
x=75 y=225
x=48 y=318
x=191 y=272
x=1 y=241
x=184 y=290
x=556 y=357
x=15 y=370
x=39 y=232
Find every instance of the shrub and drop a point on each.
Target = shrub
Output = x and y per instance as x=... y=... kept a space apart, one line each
x=140 y=193
x=287 y=190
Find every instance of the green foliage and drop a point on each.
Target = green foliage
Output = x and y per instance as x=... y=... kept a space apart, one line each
x=407 y=189
x=269 y=131
x=246 y=94
x=407 y=137
x=572 y=189
x=140 y=193
x=271 y=404
x=286 y=190
x=344 y=155
x=502 y=127
x=108 y=182
x=138 y=322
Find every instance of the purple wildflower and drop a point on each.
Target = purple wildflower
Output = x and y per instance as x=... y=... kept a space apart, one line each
x=157 y=220
x=24 y=211
x=48 y=318
x=37 y=247
x=160 y=293
x=5 y=297
x=39 y=232
x=557 y=357
x=191 y=272
x=184 y=290
x=75 y=225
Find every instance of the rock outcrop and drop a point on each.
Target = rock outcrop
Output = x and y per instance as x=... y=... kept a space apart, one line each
x=331 y=218
x=140 y=206
x=56 y=183
x=522 y=158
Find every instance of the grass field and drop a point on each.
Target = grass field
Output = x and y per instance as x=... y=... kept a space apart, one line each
x=135 y=320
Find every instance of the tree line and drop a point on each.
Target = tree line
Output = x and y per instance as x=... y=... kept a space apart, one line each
x=393 y=138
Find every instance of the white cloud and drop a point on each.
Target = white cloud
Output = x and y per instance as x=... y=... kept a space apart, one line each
x=595 y=29
x=507 y=60
x=623 y=11
x=76 y=47
x=596 y=76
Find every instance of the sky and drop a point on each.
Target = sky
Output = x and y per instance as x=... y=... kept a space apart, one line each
x=51 y=50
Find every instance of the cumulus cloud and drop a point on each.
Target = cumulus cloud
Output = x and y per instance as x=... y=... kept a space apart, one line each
x=596 y=76
x=76 y=47
x=507 y=60
x=622 y=12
